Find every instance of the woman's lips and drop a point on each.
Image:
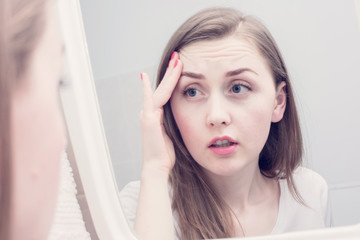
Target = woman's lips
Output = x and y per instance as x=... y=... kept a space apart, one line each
x=223 y=145
x=224 y=150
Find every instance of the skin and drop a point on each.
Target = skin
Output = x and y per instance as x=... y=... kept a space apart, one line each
x=158 y=159
x=217 y=110
x=212 y=109
x=211 y=100
x=38 y=137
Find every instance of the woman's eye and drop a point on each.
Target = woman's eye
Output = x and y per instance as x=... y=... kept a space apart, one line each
x=191 y=92
x=238 y=88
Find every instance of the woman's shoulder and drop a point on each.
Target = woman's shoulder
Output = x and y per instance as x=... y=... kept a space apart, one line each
x=307 y=180
x=313 y=212
x=130 y=189
x=129 y=194
x=128 y=197
x=313 y=189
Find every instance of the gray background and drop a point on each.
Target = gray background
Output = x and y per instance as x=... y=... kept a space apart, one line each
x=319 y=39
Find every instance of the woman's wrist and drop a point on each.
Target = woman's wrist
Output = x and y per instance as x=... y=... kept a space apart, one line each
x=154 y=171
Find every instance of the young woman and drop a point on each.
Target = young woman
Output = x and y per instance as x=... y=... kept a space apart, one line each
x=223 y=130
x=32 y=135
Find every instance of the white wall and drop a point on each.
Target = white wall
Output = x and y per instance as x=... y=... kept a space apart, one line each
x=319 y=39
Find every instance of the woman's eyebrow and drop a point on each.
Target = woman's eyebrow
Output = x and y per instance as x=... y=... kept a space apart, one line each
x=192 y=75
x=239 y=71
x=228 y=74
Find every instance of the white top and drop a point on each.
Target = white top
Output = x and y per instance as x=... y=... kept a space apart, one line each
x=68 y=220
x=292 y=215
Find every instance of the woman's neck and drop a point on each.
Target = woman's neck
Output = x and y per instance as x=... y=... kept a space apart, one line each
x=252 y=199
x=242 y=189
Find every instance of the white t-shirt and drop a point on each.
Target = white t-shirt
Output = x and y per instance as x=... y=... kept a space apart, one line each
x=292 y=215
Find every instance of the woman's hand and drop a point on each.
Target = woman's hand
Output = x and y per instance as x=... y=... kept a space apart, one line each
x=158 y=150
x=154 y=219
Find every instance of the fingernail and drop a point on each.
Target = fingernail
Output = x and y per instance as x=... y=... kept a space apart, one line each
x=141 y=75
x=172 y=55
x=175 y=64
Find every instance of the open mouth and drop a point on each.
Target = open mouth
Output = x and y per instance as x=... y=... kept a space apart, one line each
x=222 y=143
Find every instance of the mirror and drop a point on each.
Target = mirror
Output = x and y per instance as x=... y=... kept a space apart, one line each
x=86 y=136
x=320 y=44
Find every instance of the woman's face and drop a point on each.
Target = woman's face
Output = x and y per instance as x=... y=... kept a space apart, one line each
x=38 y=137
x=224 y=103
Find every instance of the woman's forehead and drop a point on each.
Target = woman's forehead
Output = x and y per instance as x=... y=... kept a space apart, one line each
x=229 y=47
x=228 y=53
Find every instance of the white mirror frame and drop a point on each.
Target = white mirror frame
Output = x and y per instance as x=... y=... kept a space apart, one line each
x=85 y=129
x=88 y=140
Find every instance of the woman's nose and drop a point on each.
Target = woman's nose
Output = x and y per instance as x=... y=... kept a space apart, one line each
x=217 y=113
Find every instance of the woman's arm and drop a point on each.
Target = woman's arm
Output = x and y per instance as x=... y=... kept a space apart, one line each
x=154 y=218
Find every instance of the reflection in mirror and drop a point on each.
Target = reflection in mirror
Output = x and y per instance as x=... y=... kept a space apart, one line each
x=319 y=42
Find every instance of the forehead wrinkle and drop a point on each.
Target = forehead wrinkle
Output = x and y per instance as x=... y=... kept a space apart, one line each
x=218 y=49
x=222 y=56
x=192 y=59
x=214 y=54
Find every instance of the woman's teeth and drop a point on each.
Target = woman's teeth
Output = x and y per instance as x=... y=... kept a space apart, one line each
x=222 y=143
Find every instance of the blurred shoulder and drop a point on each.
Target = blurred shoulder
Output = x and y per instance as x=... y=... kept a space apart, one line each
x=314 y=212
x=310 y=185
x=305 y=177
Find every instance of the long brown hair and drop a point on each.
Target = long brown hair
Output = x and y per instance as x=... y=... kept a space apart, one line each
x=21 y=25
x=201 y=212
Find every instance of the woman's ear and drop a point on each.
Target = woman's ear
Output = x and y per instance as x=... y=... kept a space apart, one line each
x=280 y=102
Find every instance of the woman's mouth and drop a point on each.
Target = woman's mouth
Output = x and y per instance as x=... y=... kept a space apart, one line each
x=223 y=145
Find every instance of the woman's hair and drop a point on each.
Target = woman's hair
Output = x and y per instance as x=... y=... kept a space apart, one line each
x=21 y=25
x=200 y=211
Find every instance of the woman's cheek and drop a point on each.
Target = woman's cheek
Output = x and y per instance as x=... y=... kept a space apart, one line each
x=260 y=126
x=187 y=121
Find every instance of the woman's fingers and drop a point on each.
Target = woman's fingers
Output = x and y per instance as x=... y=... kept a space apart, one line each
x=147 y=94
x=171 y=64
x=163 y=93
x=158 y=150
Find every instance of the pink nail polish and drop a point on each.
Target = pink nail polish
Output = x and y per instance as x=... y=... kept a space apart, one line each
x=141 y=75
x=175 y=64
x=172 y=55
